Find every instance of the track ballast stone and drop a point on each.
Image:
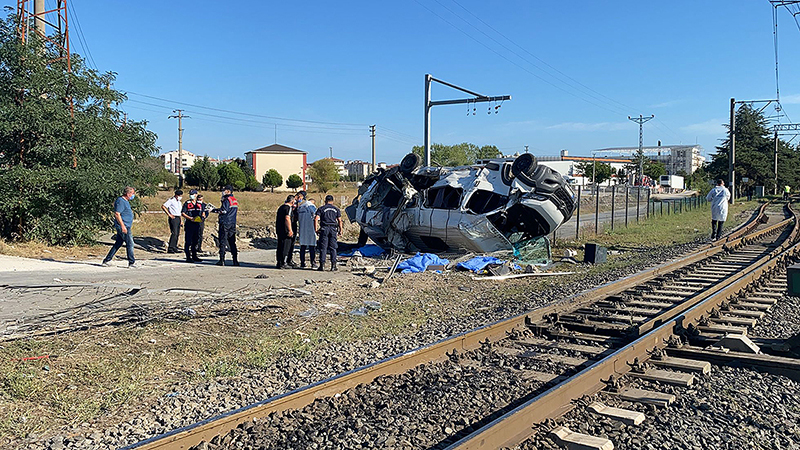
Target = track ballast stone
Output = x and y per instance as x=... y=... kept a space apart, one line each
x=191 y=403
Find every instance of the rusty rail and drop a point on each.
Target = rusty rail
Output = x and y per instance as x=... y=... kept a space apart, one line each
x=189 y=436
x=515 y=426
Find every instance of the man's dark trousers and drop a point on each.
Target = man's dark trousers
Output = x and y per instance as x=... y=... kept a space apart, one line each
x=190 y=234
x=327 y=243
x=283 y=251
x=227 y=241
x=716 y=229
x=200 y=230
x=122 y=238
x=174 y=233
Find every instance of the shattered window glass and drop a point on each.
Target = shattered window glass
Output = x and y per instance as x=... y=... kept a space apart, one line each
x=485 y=201
x=533 y=251
x=445 y=197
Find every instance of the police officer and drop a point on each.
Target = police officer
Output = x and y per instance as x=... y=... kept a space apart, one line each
x=193 y=212
x=227 y=225
x=328 y=224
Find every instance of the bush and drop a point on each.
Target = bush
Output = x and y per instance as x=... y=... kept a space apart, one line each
x=60 y=175
x=294 y=181
x=272 y=179
x=231 y=174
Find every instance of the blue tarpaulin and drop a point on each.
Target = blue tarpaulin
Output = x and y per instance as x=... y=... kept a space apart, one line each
x=369 y=251
x=477 y=263
x=419 y=262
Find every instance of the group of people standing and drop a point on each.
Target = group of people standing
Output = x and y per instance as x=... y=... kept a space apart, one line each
x=316 y=229
x=298 y=219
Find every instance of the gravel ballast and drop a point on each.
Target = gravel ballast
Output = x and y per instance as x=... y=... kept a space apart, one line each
x=189 y=403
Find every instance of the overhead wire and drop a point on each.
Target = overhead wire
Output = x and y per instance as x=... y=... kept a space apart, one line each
x=81 y=37
x=606 y=105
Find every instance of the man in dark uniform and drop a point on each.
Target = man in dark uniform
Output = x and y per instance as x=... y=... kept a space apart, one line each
x=227 y=225
x=285 y=230
x=328 y=223
x=206 y=209
x=192 y=212
x=298 y=198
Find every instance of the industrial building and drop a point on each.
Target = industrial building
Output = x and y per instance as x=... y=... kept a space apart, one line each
x=675 y=158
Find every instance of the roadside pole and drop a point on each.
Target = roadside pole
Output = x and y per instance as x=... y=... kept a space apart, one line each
x=613 y=200
x=627 y=191
x=578 y=216
x=597 y=210
x=638 y=201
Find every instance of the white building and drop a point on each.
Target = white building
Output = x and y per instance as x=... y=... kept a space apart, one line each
x=359 y=169
x=170 y=160
x=676 y=158
x=567 y=166
x=339 y=163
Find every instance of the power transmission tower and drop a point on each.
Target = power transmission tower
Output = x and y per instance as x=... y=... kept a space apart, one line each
x=41 y=18
x=372 y=135
x=428 y=104
x=640 y=154
x=792 y=129
x=180 y=118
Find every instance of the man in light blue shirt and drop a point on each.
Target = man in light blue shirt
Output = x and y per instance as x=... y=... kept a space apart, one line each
x=123 y=221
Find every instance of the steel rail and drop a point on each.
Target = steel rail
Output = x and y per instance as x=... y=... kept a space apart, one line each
x=191 y=435
x=516 y=425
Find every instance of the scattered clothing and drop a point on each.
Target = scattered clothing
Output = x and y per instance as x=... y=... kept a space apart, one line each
x=420 y=262
x=478 y=263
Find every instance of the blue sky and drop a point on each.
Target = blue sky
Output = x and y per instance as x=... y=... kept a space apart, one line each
x=575 y=70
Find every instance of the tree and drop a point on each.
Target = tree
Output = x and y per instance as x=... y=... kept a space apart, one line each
x=59 y=173
x=755 y=147
x=246 y=169
x=488 y=152
x=654 y=169
x=202 y=174
x=462 y=154
x=272 y=179
x=294 y=181
x=324 y=174
x=252 y=184
x=231 y=174
x=601 y=171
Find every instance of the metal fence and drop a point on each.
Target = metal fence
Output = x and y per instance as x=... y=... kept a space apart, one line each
x=619 y=206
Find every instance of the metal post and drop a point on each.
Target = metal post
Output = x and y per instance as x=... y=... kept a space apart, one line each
x=640 y=120
x=180 y=118
x=638 y=201
x=38 y=17
x=732 y=153
x=427 y=137
x=578 y=216
x=661 y=208
x=776 y=163
x=596 y=210
x=372 y=135
x=613 y=200
x=627 y=192
x=647 y=215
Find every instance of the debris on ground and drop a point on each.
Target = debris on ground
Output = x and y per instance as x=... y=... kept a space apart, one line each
x=363 y=310
x=419 y=262
x=367 y=251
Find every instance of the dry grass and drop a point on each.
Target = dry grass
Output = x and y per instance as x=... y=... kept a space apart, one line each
x=256 y=210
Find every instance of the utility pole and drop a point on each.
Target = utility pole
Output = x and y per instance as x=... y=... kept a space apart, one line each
x=180 y=118
x=641 y=121
x=331 y=149
x=526 y=149
x=372 y=135
x=428 y=104
x=732 y=153
x=792 y=129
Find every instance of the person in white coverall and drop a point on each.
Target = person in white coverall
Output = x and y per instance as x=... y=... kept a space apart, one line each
x=718 y=197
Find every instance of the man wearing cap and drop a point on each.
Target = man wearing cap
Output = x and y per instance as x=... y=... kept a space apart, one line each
x=328 y=223
x=172 y=208
x=192 y=212
x=227 y=225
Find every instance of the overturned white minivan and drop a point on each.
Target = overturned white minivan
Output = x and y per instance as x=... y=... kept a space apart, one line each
x=485 y=207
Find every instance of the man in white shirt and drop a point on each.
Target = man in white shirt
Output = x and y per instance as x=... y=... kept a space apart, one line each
x=718 y=197
x=173 y=209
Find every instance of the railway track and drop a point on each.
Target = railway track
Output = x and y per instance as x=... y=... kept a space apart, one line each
x=490 y=385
